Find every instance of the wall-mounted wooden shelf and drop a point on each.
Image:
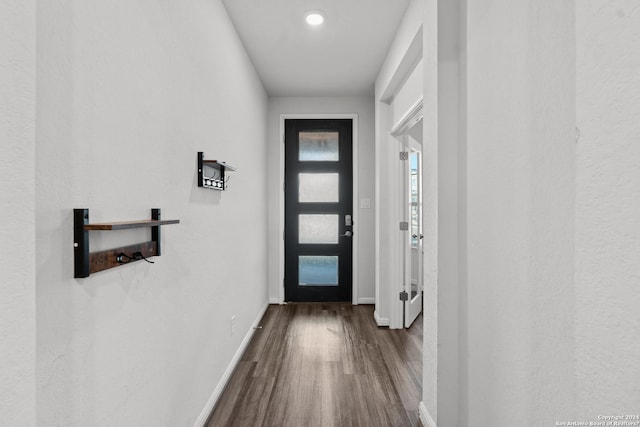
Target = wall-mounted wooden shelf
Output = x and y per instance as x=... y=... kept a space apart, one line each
x=212 y=173
x=108 y=226
x=218 y=164
x=87 y=262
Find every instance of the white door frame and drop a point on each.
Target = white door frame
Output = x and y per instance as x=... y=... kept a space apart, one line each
x=412 y=116
x=413 y=306
x=355 y=216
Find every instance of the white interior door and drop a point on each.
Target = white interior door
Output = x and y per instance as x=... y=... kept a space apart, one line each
x=413 y=241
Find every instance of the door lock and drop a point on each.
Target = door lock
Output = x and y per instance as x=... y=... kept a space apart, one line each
x=347 y=221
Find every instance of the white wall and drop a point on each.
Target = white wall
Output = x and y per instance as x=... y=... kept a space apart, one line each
x=364 y=108
x=386 y=169
x=394 y=78
x=430 y=168
x=547 y=237
x=520 y=200
x=450 y=213
x=408 y=95
x=128 y=92
x=17 y=213
x=410 y=24
x=607 y=275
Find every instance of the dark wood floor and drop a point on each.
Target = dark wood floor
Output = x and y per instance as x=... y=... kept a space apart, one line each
x=325 y=365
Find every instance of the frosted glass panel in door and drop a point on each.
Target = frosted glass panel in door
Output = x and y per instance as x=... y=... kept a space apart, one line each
x=318 y=270
x=318 y=146
x=318 y=229
x=318 y=188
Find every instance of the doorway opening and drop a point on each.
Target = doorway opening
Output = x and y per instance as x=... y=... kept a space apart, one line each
x=412 y=246
x=318 y=214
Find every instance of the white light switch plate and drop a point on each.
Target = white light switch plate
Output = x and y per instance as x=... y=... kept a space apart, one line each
x=365 y=203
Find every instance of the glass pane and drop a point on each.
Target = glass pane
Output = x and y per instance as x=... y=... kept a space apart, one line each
x=318 y=187
x=318 y=270
x=414 y=177
x=414 y=164
x=414 y=226
x=318 y=146
x=318 y=228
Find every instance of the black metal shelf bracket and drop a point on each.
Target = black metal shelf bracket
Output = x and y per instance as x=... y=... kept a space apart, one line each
x=212 y=173
x=81 y=242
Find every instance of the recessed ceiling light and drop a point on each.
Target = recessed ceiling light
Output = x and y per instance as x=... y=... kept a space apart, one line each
x=314 y=18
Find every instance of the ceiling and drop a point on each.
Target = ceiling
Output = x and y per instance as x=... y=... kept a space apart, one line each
x=340 y=58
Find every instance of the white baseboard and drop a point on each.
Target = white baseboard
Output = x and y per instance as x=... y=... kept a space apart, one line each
x=275 y=301
x=380 y=321
x=366 y=300
x=425 y=417
x=211 y=403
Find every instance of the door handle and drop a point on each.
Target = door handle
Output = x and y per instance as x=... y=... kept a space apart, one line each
x=347 y=234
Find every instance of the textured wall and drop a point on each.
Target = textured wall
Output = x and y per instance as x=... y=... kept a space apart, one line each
x=430 y=393
x=363 y=106
x=449 y=210
x=607 y=215
x=128 y=92
x=17 y=212
x=520 y=195
x=387 y=168
x=408 y=94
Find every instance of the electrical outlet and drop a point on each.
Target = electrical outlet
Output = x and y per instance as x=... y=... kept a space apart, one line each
x=233 y=325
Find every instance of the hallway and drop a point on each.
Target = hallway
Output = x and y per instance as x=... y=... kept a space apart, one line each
x=530 y=144
x=325 y=365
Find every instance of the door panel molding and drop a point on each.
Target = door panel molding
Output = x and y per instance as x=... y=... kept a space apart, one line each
x=355 y=192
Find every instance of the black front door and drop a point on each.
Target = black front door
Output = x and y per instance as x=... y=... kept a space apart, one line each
x=318 y=210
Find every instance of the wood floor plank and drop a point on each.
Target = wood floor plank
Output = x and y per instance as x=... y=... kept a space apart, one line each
x=324 y=365
x=233 y=392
